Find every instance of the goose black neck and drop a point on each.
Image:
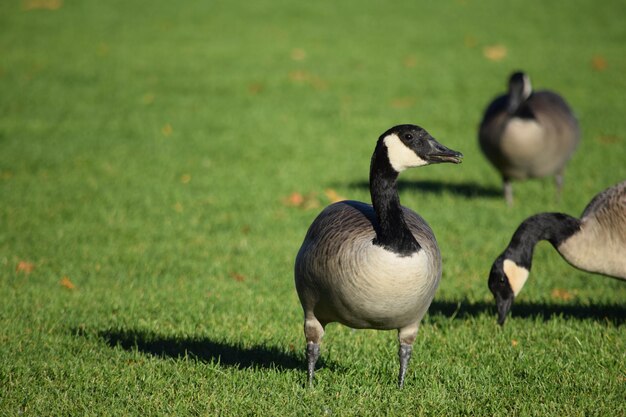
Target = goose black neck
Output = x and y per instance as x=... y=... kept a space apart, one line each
x=392 y=232
x=521 y=110
x=553 y=227
x=517 y=99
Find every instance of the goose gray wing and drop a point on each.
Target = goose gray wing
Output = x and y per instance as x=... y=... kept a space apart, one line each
x=608 y=211
x=340 y=224
x=600 y=245
x=552 y=112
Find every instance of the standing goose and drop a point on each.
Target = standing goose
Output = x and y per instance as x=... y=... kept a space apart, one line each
x=373 y=266
x=526 y=134
x=595 y=243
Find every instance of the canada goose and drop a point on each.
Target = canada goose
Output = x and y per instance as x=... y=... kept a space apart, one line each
x=526 y=134
x=373 y=267
x=595 y=243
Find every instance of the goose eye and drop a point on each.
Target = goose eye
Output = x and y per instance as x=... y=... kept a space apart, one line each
x=408 y=136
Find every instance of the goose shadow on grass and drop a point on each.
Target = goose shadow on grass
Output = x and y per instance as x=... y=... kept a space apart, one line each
x=465 y=189
x=203 y=349
x=261 y=356
x=605 y=313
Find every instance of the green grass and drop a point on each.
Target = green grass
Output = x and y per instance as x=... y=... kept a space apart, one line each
x=147 y=148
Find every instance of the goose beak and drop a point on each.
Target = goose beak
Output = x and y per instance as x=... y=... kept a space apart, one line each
x=440 y=153
x=503 y=305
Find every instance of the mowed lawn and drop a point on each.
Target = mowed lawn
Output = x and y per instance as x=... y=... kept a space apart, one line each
x=160 y=163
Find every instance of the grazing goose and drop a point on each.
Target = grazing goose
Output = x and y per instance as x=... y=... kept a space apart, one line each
x=526 y=134
x=373 y=266
x=595 y=243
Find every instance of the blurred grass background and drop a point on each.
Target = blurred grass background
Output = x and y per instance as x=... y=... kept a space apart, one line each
x=160 y=164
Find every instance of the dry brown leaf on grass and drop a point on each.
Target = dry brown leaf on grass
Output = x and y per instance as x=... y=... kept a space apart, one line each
x=470 y=41
x=296 y=199
x=148 y=98
x=402 y=102
x=25 y=267
x=410 y=61
x=310 y=201
x=318 y=83
x=255 y=88
x=167 y=129
x=608 y=139
x=299 y=76
x=514 y=342
x=599 y=63
x=561 y=294
x=67 y=283
x=298 y=54
x=237 y=276
x=495 y=52
x=41 y=4
x=333 y=196
x=103 y=49
x=305 y=77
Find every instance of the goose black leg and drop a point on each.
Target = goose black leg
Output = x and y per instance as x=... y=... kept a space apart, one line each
x=558 y=179
x=312 y=354
x=508 y=192
x=404 y=353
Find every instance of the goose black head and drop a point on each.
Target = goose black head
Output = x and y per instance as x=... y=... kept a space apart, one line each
x=506 y=280
x=411 y=146
x=501 y=289
x=519 y=90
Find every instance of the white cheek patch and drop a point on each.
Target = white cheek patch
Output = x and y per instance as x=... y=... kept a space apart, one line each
x=528 y=88
x=400 y=156
x=516 y=274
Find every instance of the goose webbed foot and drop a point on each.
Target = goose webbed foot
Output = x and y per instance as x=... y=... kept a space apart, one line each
x=404 y=353
x=312 y=354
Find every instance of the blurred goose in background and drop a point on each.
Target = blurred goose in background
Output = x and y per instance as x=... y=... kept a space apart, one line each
x=373 y=266
x=526 y=134
x=595 y=243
